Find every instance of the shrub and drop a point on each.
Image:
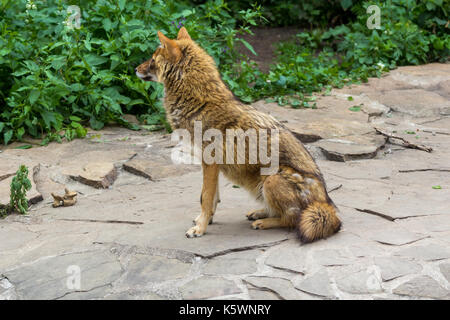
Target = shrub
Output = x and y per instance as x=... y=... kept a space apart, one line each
x=55 y=79
x=20 y=184
x=348 y=53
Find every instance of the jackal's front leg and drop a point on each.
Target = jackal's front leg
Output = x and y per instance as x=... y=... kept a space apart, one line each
x=216 y=201
x=209 y=191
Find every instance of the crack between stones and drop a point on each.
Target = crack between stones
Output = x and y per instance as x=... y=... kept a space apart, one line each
x=225 y=252
x=399 y=245
x=29 y=263
x=375 y=213
x=104 y=221
x=389 y=218
x=83 y=291
x=264 y=289
x=368 y=179
x=181 y=255
x=287 y=270
x=424 y=169
x=6 y=176
x=431 y=121
x=335 y=188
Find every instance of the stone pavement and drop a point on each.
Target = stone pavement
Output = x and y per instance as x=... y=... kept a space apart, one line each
x=124 y=239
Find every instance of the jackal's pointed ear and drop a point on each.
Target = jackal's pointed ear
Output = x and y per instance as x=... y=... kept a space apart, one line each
x=183 y=34
x=171 y=46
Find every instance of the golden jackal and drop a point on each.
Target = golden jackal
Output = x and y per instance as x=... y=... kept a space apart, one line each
x=293 y=196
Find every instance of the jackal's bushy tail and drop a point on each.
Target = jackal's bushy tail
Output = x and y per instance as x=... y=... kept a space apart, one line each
x=319 y=220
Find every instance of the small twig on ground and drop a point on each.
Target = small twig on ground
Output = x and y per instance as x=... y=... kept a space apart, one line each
x=405 y=143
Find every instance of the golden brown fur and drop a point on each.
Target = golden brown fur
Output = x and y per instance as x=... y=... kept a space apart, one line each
x=295 y=196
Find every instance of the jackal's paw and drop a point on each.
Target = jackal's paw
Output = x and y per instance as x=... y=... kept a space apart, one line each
x=195 y=221
x=194 y=232
x=256 y=214
x=259 y=224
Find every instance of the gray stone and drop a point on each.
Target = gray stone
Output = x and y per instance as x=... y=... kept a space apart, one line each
x=426 y=224
x=414 y=102
x=157 y=168
x=346 y=150
x=284 y=288
x=97 y=175
x=409 y=203
x=7 y=291
x=332 y=257
x=257 y=294
x=94 y=294
x=317 y=284
x=127 y=295
x=144 y=270
x=428 y=252
x=329 y=129
x=290 y=256
x=427 y=76
x=375 y=109
x=422 y=287
x=14 y=238
x=55 y=277
x=445 y=270
x=392 y=267
x=93 y=164
x=208 y=287
x=395 y=236
x=361 y=282
x=233 y=263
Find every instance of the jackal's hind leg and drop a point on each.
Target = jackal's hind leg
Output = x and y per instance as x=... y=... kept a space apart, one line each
x=268 y=223
x=257 y=214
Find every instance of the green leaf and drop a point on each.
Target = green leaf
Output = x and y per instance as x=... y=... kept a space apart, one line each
x=346 y=4
x=58 y=63
x=49 y=118
x=34 y=95
x=95 y=60
x=26 y=146
x=20 y=133
x=7 y=136
x=436 y=187
x=122 y=4
x=355 y=108
x=107 y=24
x=75 y=118
x=248 y=46
x=96 y=124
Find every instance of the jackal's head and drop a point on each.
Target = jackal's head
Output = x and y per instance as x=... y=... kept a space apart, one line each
x=168 y=54
x=177 y=59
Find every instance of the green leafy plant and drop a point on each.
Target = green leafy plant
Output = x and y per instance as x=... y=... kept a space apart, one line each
x=349 y=53
x=55 y=80
x=20 y=184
